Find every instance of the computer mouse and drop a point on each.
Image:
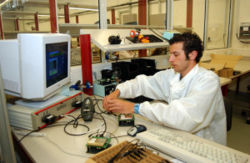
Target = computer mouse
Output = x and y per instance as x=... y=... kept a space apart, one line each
x=136 y=129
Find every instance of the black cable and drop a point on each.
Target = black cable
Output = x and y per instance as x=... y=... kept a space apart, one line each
x=75 y=126
x=105 y=124
x=71 y=116
x=27 y=135
x=97 y=100
x=100 y=114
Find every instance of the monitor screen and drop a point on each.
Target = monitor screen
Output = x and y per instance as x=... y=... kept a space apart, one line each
x=56 y=62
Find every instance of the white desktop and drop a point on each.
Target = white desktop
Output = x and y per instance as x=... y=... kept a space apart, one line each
x=35 y=66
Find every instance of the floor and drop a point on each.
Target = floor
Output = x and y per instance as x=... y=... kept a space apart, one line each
x=239 y=135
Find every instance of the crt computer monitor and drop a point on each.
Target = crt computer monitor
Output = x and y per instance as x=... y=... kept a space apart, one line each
x=35 y=66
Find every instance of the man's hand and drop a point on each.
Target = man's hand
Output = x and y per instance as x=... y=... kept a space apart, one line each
x=106 y=99
x=116 y=105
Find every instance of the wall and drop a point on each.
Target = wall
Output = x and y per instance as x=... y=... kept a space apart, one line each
x=198 y=17
x=217 y=23
x=9 y=25
x=179 y=13
x=241 y=14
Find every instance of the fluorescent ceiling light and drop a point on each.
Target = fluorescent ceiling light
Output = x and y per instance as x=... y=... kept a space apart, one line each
x=42 y=15
x=85 y=9
x=49 y=15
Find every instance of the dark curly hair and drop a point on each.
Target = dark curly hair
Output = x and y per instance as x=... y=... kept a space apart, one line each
x=191 y=42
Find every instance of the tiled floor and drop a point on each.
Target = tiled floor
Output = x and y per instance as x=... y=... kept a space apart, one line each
x=239 y=135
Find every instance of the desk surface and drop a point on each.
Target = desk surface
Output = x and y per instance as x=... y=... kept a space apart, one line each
x=57 y=146
x=243 y=66
x=225 y=81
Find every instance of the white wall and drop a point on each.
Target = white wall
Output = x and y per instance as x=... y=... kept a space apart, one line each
x=198 y=17
x=179 y=13
x=241 y=14
x=9 y=25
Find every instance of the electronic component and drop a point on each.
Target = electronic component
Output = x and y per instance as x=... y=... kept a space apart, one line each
x=87 y=109
x=33 y=115
x=35 y=66
x=244 y=32
x=49 y=118
x=126 y=152
x=106 y=85
x=136 y=129
x=97 y=144
x=114 y=39
x=103 y=89
x=126 y=119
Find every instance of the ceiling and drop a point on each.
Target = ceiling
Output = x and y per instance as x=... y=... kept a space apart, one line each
x=27 y=8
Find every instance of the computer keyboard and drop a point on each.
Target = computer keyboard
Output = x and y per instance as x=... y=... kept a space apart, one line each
x=190 y=149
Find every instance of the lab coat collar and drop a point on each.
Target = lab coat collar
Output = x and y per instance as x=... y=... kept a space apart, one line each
x=190 y=74
x=179 y=87
x=187 y=77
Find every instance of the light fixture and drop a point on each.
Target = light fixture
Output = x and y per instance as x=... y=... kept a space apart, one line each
x=85 y=9
x=42 y=15
x=49 y=15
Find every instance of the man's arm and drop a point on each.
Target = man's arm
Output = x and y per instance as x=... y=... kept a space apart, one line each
x=148 y=86
x=190 y=113
x=154 y=87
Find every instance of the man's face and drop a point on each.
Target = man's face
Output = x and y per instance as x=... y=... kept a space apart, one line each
x=178 y=59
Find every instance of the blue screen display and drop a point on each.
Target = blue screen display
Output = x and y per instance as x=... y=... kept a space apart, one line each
x=56 y=62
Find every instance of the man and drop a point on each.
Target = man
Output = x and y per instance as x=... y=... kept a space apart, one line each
x=193 y=94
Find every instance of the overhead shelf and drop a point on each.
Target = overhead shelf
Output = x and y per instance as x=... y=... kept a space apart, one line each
x=100 y=38
x=16 y=32
x=74 y=29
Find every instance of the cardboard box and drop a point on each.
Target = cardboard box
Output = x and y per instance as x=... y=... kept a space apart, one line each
x=212 y=66
x=222 y=64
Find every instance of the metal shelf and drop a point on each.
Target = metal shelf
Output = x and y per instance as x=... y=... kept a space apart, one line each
x=100 y=38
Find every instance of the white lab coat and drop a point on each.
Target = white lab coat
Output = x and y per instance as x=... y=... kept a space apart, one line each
x=195 y=103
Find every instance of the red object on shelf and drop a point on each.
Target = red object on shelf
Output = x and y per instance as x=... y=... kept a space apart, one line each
x=85 y=46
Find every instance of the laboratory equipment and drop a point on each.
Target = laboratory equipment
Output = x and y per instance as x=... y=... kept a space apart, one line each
x=35 y=66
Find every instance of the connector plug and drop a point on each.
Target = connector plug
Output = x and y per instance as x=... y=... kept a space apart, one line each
x=49 y=118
